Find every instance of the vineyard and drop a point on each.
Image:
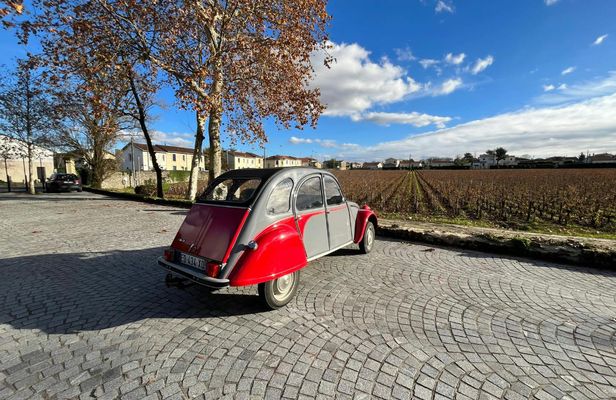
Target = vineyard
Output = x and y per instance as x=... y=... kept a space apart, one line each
x=562 y=199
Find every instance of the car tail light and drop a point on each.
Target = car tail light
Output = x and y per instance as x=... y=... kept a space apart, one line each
x=212 y=269
x=77 y=181
x=168 y=254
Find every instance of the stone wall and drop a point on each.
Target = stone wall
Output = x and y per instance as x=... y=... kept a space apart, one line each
x=122 y=179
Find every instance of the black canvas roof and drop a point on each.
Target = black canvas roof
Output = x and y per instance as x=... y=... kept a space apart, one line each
x=263 y=173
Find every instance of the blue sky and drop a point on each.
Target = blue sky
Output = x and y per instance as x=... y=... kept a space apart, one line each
x=440 y=78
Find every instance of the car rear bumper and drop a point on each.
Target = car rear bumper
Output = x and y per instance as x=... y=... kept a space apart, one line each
x=191 y=274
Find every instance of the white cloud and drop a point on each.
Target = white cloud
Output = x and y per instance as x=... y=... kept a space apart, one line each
x=405 y=54
x=562 y=86
x=296 y=140
x=481 y=64
x=455 y=59
x=600 y=40
x=567 y=71
x=600 y=86
x=354 y=83
x=548 y=88
x=447 y=87
x=413 y=118
x=551 y=2
x=442 y=6
x=564 y=130
x=428 y=62
x=180 y=139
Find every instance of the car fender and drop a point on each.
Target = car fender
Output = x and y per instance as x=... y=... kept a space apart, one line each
x=364 y=215
x=279 y=252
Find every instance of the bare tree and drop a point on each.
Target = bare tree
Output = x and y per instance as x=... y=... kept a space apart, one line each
x=27 y=113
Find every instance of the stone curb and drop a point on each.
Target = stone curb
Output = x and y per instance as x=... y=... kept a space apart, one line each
x=566 y=250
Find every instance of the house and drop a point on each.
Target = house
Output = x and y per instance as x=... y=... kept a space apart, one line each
x=373 y=165
x=355 y=165
x=278 y=161
x=508 y=161
x=169 y=158
x=486 y=161
x=14 y=162
x=603 y=158
x=440 y=162
x=310 y=162
x=335 y=164
x=391 y=163
x=410 y=164
x=240 y=160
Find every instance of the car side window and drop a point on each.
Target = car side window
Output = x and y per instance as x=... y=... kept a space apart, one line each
x=279 y=201
x=333 y=195
x=309 y=195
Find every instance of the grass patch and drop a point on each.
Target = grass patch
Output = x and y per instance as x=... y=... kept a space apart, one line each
x=535 y=227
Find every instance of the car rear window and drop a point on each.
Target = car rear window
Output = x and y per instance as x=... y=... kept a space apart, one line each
x=236 y=190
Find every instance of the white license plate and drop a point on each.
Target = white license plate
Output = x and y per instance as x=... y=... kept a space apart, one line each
x=192 y=261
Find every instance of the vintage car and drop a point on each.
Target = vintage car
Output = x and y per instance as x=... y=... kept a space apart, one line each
x=261 y=226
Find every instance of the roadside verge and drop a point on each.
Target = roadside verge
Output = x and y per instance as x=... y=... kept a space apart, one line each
x=581 y=251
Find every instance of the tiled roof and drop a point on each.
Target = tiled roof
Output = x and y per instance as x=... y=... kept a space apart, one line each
x=281 y=157
x=242 y=154
x=159 y=148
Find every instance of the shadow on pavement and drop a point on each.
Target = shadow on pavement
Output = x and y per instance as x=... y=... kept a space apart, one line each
x=66 y=293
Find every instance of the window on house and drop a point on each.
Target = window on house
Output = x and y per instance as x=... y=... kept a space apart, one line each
x=174 y=157
x=183 y=157
x=175 y=168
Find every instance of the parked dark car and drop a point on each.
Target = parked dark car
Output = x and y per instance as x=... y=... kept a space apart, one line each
x=63 y=183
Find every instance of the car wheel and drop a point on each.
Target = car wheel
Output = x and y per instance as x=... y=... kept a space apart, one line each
x=278 y=292
x=366 y=244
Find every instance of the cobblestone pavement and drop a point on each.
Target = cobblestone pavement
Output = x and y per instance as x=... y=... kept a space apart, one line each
x=84 y=313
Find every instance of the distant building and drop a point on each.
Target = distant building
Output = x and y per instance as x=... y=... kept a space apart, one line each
x=278 y=161
x=408 y=164
x=391 y=163
x=355 y=165
x=310 y=162
x=603 y=158
x=486 y=161
x=16 y=165
x=335 y=164
x=169 y=158
x=241 y=160
x=373 y=165
x=440 y=162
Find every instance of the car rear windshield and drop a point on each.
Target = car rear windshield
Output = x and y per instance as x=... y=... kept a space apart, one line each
x=65 y=177
x=234 y=191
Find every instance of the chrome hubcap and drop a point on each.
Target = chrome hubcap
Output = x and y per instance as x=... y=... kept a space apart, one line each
x=283 y=286
x=370 y=238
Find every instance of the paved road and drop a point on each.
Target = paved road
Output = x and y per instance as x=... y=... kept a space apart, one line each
x=84 y=313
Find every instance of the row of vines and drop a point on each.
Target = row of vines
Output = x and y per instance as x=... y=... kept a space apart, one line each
x=584 y=198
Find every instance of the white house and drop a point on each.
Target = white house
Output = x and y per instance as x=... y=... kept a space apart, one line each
x=169 y=158
x=373 y=165
x=241 y=160
x=282 y=161
x=14 y=162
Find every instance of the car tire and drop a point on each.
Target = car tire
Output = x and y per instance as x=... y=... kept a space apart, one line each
x=278 y=292
x=367 y=242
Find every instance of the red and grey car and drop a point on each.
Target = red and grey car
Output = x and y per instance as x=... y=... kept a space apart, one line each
x=261 y=226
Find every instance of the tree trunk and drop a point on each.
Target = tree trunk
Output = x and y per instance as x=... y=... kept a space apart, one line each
x=215 y=148
x=214 y=123
x=146 y=133
x=197 y=155
x=31 y=188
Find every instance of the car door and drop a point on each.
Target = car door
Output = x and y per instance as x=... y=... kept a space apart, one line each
x=310 y=216
x=337 y=213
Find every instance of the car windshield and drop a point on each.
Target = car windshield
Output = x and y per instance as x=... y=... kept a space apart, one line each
x=236 y=190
